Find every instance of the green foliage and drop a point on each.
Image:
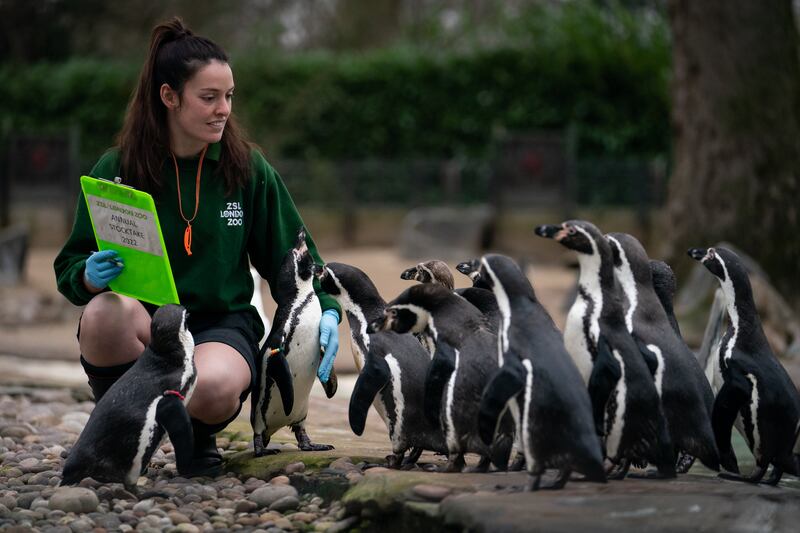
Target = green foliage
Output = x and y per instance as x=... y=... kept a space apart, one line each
x=603 y=70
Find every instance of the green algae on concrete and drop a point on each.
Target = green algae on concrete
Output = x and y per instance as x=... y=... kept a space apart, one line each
x=269 y=466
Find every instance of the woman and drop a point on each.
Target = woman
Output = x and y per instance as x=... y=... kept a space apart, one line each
x=220 y=206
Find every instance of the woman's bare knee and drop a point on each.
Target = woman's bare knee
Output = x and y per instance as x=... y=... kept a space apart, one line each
x=114 y=330
x=222 y=376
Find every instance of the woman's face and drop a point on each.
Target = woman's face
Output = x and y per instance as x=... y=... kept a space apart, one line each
x=198 y=116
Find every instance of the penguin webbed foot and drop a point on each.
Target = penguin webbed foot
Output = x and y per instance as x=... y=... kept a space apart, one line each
x=518 y=464
x=755 y=477
x=394 y=460
x=685 y=462
x=304 y=442
x=535 y=481
x=455 y=462
x=260 y=446
x=619 y=470
x=774 y=477
x=411 y=461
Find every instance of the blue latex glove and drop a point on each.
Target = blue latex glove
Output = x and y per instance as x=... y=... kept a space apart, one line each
x=328 y=341
x=102 y=267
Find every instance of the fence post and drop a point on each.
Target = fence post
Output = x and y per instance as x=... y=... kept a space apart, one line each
x=5 y=183
x=347 y=183
x=71 y=185
x=571 y=171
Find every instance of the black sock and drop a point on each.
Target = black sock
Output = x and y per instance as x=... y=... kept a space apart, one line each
x=102 y=377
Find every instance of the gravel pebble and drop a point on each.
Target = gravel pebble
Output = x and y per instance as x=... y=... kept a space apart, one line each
x=287 y=503
x=74 y=499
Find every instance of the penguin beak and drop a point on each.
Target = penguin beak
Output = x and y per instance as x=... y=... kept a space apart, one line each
x=468 y=268
x=548 y=231
x=409 y=273
x=698 y=254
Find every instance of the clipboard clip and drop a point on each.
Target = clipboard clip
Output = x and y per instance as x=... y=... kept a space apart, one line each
x=116 y=181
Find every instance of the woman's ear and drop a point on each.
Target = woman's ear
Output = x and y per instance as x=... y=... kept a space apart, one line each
x=169 y=97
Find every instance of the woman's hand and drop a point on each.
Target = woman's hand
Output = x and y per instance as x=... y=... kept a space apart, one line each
x=328 y=341
x=101 y=268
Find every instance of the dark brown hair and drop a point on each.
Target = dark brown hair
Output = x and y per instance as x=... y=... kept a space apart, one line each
x=175 y=55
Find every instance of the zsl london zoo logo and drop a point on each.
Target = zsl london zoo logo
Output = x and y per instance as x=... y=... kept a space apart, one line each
x=233 y=213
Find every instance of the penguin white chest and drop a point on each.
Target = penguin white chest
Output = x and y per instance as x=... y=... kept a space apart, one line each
x=575 y=337
x=303 y=357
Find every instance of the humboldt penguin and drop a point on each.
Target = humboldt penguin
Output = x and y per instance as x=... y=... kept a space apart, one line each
x=392 y=369
x=462 y=365
x=685 y=393
x=147 y=403
x=287 y=365
x=434 y=271
x=756 y=387
x=627 y=408
x=539 y=382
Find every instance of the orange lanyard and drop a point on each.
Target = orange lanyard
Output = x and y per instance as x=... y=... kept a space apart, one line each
x=187 y=235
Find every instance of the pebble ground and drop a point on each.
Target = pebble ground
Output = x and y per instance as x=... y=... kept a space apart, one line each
x=37 y=430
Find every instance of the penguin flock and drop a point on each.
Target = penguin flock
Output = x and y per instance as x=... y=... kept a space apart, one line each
x=485 y=370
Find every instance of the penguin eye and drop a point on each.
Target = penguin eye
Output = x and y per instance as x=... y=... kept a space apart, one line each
x=393 y=313
x=571 y=230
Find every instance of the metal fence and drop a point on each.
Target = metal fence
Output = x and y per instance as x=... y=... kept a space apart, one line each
x=528 y=171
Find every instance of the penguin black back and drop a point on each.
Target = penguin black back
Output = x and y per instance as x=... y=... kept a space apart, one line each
x=130 y=420
x=755 y=386
x=685 y=393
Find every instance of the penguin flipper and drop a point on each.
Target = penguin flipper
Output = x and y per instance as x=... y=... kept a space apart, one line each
x=442 y=366
x=171 y=414
x=503 y=386
x=606 y=372
x=649 y=357
x=278 y=370
x=373 y=377
x=732 y=396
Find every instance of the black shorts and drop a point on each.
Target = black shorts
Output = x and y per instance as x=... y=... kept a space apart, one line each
x=237 y=330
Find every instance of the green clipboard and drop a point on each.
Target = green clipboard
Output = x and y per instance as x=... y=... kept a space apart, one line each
x=125 y=220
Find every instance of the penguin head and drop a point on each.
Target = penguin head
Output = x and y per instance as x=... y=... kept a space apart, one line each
x=501 y=274
x=169 y=334
x=663 y=280
x=628 y=253
x=471 y=269
x=577 y=235
x=723 y=263
x=346 y=283
x=434 y=271
x=411 y=311
x=711 y=260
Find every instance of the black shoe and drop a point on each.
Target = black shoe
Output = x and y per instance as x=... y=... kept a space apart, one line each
x=206 y=460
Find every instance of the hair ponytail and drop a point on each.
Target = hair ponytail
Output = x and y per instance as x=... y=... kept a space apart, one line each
x=175 y=54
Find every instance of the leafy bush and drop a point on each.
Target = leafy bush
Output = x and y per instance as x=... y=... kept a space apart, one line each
x=603 y=70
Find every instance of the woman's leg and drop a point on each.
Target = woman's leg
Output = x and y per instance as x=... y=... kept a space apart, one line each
x=223 y=377
x=113 y=332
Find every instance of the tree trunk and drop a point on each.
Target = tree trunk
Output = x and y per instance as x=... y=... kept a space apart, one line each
x=736 y=119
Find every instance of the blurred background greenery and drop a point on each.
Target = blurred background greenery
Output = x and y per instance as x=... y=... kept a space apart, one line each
x=353 y=80
x=685 y=116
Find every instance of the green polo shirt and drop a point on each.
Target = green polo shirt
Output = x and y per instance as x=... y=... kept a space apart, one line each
x=256 y=224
